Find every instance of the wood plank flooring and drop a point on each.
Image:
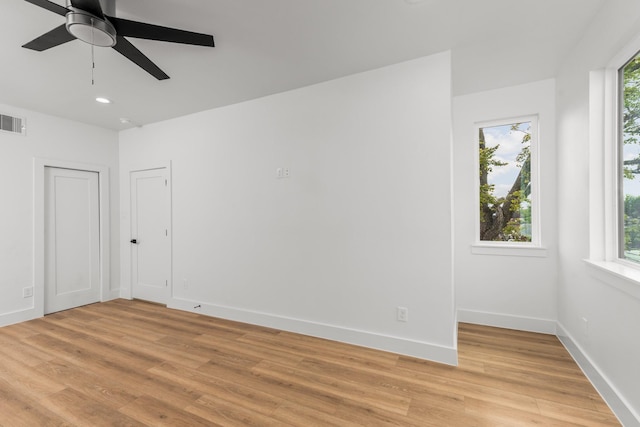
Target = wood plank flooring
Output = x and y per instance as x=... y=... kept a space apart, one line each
x=130 y=363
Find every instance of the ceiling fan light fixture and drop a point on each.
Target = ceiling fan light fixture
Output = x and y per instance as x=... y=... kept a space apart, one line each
x=94 y=22
x=90 y=29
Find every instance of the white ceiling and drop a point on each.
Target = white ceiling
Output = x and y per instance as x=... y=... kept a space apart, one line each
x=264 y=47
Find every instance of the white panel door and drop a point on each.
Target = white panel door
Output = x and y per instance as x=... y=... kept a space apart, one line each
x=72 y=239
x=150 y=243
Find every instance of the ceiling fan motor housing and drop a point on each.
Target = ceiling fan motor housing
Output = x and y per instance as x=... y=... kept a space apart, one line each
x=108 y=6
x=90 y=29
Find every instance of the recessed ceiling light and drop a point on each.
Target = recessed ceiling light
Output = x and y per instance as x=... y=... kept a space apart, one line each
x=124 y=120
x=102 y=100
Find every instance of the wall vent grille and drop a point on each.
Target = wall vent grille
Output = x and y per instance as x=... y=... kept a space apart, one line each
x=12 y=124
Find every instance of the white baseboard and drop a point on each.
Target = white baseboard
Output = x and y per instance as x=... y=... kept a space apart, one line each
x=521 y=323
x=618 y=404
x=414 y=348
x=620 y=407
x=111 y=295
x=31 y=313
x=18 y=316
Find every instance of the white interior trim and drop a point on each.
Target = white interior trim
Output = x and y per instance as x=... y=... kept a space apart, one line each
x=507 y=321
x=604 y=260
x=617 y=275
x=619 y=406
x=536 y=238
x=126 y=290
x=509 y=250
x=39 y=165
x=19 y=316
x=405 y=346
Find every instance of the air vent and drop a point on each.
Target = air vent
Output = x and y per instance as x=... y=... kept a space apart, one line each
x=12 y=124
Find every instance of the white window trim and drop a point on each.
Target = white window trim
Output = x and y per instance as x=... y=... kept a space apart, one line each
x=603 y=177
x=533 y=248
x=509 y=249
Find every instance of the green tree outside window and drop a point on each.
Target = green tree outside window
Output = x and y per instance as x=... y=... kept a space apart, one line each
x=505 y=182
x=630 y=161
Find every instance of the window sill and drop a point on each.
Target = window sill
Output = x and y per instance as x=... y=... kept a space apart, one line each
x=509 y=250
x=617 y=275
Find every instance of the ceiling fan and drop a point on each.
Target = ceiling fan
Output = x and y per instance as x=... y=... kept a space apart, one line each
x=93 y=22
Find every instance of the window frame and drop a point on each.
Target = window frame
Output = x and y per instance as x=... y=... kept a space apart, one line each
x=619 y=156
x=606 y=95
x=604 y=183
x=534 y=247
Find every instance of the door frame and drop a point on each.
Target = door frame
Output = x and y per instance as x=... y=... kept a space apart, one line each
x=125 y=226
x=39 y=165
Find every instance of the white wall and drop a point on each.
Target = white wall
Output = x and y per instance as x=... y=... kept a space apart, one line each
x=51 y=138
x=510 y=291
x=363 y=224
x=611 y=342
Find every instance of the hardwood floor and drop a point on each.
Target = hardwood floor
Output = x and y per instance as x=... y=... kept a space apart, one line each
x=130 y=363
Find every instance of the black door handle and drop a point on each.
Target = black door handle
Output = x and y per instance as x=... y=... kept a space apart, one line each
x=134 y=241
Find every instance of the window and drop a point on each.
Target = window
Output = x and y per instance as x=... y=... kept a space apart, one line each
x=507 y=182
x=614 y=175
x=629 y=161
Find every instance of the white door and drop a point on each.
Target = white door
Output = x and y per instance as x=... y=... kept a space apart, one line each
x=150 y=242
x=72 y=239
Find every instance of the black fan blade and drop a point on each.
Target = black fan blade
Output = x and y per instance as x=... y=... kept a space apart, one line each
x=132 y=53
x=141 y=30
x=91 y=6
x=53 y=38
x=50 y=6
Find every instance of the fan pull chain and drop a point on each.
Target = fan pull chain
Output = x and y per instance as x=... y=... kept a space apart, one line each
x=93 y=61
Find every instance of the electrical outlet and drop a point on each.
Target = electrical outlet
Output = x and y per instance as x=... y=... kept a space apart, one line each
x=403 y=314
x=283 y=172
x=27 y=292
